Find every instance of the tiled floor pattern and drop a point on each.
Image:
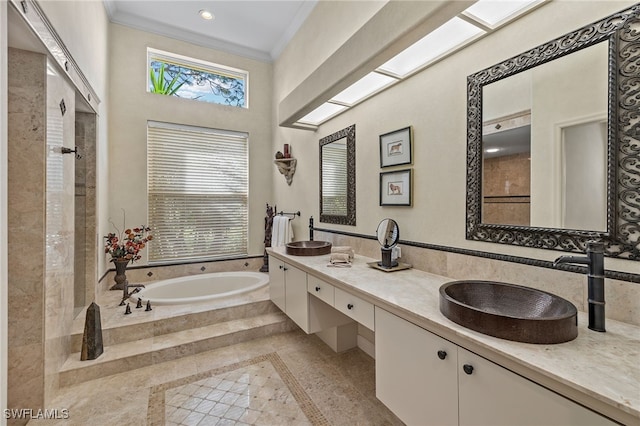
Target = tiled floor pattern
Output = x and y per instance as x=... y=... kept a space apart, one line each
x=294 y=374
x=259 y=391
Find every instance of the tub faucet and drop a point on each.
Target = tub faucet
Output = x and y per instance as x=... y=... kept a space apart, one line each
x=125 y=290
x=595 y=281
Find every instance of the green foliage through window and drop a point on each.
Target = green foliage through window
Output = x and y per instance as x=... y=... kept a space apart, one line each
x=192 y=79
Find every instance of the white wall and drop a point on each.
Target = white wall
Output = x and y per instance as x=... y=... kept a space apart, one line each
x=3 y=211
x=131 y=106
x=434 y=103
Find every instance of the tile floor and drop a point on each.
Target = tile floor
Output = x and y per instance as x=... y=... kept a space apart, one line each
x=286 y=379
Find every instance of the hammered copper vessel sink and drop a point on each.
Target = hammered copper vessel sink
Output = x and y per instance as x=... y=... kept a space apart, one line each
x=509 y=311
x=308 y=248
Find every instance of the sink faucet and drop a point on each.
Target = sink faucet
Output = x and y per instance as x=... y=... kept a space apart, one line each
x=595 y=262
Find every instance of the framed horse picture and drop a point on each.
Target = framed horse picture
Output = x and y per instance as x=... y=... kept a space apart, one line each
x=395 y=188
x=395 y=148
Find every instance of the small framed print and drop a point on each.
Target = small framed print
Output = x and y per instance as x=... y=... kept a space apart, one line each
x=395 y=148
x=395 y=188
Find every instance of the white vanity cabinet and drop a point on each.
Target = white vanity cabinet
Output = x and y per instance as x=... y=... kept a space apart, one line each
x=416 y=372
x=288 y=290
x=491 y=394
x=425 y=379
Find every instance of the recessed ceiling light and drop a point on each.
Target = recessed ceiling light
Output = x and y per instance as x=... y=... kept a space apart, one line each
x=205 y=14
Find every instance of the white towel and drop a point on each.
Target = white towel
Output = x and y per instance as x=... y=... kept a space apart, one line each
x=281 y=231
x=344 y=249
x=340 y=260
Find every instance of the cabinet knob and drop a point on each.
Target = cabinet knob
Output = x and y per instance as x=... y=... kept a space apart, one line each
x=317 y=288
x=350 y=306
x=468 y=368
x=442 y=354
x=281 y=267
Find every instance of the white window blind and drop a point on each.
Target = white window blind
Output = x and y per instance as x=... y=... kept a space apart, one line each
x=198 y=187
x=334 y=178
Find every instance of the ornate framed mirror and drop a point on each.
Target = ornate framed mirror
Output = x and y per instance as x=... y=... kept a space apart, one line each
x=338 y=177
x=569 y=171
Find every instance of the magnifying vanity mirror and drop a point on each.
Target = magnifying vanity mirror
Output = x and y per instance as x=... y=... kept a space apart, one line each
x=553 y=143
x=338 y=177
x=388 y=234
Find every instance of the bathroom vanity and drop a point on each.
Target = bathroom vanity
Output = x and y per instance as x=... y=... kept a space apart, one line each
x=429 y=368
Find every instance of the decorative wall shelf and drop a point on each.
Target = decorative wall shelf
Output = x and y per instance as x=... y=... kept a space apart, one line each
x=287 y=166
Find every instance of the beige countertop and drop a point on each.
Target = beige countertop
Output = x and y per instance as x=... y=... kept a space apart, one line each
x=599 y=370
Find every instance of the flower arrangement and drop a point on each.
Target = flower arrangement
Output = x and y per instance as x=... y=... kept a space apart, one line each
x=127 y=245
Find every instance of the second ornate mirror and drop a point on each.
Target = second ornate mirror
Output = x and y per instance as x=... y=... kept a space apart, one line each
x=338 y=177
x=552 y=143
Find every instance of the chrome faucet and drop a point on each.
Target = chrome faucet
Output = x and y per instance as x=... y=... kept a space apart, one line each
x=595 y=281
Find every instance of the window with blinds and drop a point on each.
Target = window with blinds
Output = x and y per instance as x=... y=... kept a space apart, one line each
x=198 y=188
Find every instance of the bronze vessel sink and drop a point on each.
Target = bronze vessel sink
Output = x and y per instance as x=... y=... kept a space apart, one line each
x=509 y=311
x=308 y=248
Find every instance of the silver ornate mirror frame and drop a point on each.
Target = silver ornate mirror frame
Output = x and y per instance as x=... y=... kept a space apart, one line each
x=622 y=237
x=350 y=217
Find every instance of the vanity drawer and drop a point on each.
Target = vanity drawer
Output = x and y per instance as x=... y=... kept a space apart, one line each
x=322 y=290
x=354 y=307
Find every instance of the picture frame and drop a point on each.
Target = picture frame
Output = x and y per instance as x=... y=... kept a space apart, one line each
x=396 y=188
x=395 y=148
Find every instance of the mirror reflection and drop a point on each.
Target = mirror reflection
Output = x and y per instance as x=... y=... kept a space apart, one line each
x=544 y=144
x=337 y=177
x=334 y=178
x=388 y=233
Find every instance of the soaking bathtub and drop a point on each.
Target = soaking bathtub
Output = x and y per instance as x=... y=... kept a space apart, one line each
x=201 y=288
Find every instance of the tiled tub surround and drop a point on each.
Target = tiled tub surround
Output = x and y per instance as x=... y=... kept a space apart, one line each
x=598 y=370
x=149 y=274
x=169 y=332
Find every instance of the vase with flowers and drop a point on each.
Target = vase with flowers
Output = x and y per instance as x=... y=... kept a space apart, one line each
x=125 y=247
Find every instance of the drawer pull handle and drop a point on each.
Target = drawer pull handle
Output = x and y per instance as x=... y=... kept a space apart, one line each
x=317 y=288
x=442 y=354
x=350 y=306
x=468 y=368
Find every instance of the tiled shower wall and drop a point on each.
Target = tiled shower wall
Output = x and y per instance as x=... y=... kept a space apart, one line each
x=40 y=222
x=26 y=227
x=622 y=297
x=60 y=226
x=86 y=261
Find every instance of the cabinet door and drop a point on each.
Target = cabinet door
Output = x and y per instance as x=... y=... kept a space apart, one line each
x=296 y=296
x=492 y=395
x=411 y=378
x=276 y=282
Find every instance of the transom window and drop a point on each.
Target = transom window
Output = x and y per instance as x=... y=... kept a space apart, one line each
x=176 y=75
x=198 y=190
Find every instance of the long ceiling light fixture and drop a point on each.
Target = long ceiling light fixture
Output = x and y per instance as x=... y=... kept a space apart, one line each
x=478 y=20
